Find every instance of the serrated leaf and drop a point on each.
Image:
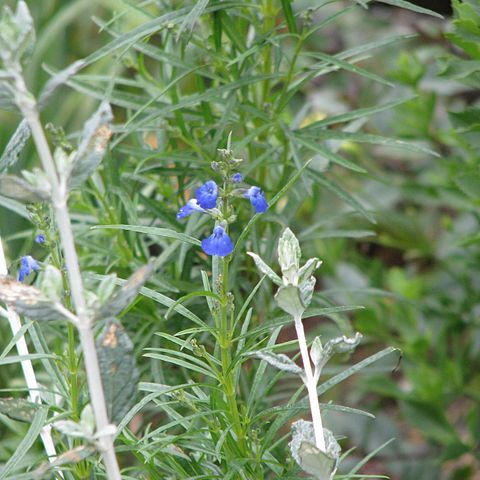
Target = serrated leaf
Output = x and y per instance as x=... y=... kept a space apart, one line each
x=30 y=301
x=118 y=369
x=17 y=188
x=127 y=293
x=280 y=361
x=265 y=269
x=18 y=409
x=92 y=146
x=322 y=465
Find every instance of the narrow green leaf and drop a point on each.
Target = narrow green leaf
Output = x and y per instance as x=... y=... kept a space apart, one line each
x=152 y=231
x=26 y=443
x=409 y=6
x=289 y=16
x=200 y=293
x=192 y=17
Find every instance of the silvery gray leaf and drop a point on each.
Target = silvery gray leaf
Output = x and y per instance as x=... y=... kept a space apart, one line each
x=322 y=465
x=57 y=81
x=93 y=145
x=30 y=301
x=288 y=299
x=15 y=187
x=127 y=293
x=280 y=361
x=17 y=34
x=307 y=288
x=18 y=409
x=7 y=97
x=15 y=145
x=265 y=269
x=73 y=429
x=52 y=283
x=118 y=369
x=289 y=254
x=70 y=457
x=22 y=133
x=336 y=345
x=307 y=270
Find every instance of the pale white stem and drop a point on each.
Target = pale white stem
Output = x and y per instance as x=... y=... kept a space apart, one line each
x=311 y=385
x=59 y=199
x=27 y=367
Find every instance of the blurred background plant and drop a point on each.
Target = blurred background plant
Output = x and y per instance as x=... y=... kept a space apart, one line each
x=331 y=82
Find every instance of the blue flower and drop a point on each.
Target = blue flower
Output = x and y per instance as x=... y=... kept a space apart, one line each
x=257 y=199
x=191 y=206
x=237 y=177
x=27 y=265
x=40 y=238
x=207 y=194
x=218 y=243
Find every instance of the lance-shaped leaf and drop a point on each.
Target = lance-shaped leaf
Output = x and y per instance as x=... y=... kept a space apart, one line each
x=70 y=457
x=307 y=270
x=15 y=146
x=307 y=288
x=127 y=293
x=118 y=369
x=18 y=409
x=322 y=465
x=31 y=302
x=19 y=189
x=289 y=254
x=93 y=145
x=56 y=81
x=280 y=361
x=320 y=354
x=265 y=269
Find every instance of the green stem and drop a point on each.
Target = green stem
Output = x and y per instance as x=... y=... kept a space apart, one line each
x=228 y=377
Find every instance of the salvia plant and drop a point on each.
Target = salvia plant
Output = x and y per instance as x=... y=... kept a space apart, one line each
x=209 y=404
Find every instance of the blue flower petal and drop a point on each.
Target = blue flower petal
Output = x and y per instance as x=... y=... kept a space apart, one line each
x=207 y=194
x=218 y=243
x=257 y=199
x=27 y=265
x=237 y=177
x=191 y=206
